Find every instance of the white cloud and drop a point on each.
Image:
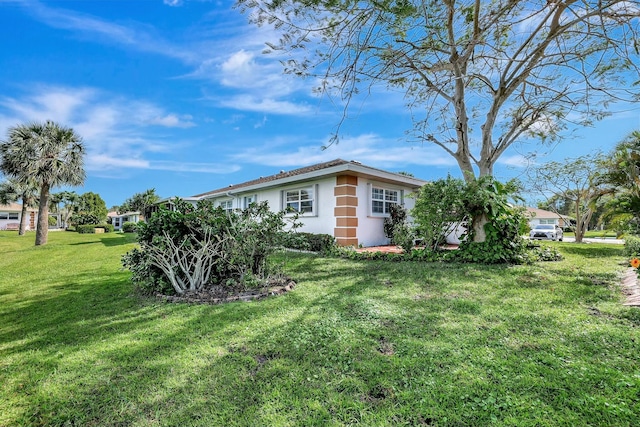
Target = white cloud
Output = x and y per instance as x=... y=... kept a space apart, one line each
x=172 y=120
x=118 y=132
x=369 y=149
x=264 y=105
x=140 y=37
x=517 y=160
x=228 y=52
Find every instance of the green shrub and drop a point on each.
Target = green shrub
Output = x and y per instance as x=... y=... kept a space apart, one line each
x=309 y=242
x=192 y=248
x=86 y=228
x=108 y=228
x=90 y=228
x=129 y=227
x=631 y=246
x=487 y=198
x=53 y=221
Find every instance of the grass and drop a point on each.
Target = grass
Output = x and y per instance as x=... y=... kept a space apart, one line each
x=356 y=343
x=595 y=234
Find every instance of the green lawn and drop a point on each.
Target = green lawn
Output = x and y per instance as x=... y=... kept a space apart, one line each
x=356 y=343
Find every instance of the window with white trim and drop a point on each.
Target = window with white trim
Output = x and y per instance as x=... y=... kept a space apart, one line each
x=547 y=221
x=382 y=198
x=247 y=200
x=4 y=215
x=299 y=200
x=13 y=215
x=227 y=205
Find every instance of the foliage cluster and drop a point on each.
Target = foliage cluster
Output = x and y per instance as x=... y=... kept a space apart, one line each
x=129 y=227
x=445 y=205
x=439 y=210
x=140 y=202
x=397 y=229
x=315 y=242
x=195 y=247
x=42 y=156
x=622 y=171
x=632 y=246
x=89 y=208
x=90 y=228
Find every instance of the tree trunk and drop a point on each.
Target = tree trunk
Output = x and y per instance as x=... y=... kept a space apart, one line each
x=23 y=219
x=579 y=223
x=42 y=231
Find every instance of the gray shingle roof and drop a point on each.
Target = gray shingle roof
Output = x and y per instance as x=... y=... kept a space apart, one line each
x=263 y=180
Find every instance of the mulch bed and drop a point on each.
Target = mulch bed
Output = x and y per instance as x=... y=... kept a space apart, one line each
x=217 y=296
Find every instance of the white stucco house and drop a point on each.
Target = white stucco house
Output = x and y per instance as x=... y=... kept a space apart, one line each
x=10 y=217
x=345 y=199
x=541 y=216
x=119 y=219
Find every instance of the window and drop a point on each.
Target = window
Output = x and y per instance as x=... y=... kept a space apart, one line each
x=227 y=205
x=299 y=200
x=382 y=198
x=13 y=215
x=4 y=215
x=246 y=202
x=547 y=221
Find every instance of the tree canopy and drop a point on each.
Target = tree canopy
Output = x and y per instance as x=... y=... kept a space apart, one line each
x=89 y=208
x=578 y=181
x=46 y=154
x=140 y=202
x=623 y=172
x=477 y=75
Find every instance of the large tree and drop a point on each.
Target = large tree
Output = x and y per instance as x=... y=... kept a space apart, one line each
x=578 y=181
x=477 y=75
x=12 y=191
x=89 y=208
x=623 y=172
x=69 y=201
x=47 y=154
x=140 y=202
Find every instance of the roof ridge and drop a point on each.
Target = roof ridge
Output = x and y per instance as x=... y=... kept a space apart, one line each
x=281 y=174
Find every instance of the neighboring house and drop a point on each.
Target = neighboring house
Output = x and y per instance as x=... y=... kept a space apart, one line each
x=345 y=199
x=540 y=216
x=10 y=217
x=119 y=219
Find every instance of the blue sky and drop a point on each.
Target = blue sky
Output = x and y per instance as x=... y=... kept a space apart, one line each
x=176 y=95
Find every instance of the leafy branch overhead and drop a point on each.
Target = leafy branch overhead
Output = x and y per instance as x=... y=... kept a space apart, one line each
x=477 y=76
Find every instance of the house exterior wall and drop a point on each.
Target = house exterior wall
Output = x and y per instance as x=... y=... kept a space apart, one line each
x=371 y=225
x=10 y=218
x=118 y=220
x=342 y=207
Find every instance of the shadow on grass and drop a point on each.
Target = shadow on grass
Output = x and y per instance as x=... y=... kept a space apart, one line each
x=117 y=239
x=371 y=343
x=588 y=250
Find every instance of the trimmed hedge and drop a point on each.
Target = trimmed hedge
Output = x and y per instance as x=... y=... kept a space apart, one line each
x=129 y=227
x=309 y=242
x=90 y=228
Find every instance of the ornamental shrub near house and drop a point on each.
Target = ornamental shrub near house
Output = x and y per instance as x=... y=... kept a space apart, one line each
x=315 y=242
x=129 y=227
x=199 y=248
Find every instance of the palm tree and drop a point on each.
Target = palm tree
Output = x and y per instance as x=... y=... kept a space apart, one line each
x=12 y=191
x=49 y=155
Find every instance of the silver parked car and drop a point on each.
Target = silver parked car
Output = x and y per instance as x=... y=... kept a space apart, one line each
x=546 y=232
